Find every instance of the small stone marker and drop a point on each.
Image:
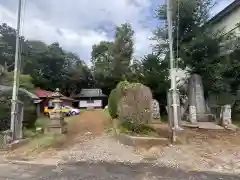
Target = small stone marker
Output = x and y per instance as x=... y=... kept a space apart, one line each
x=155 y=109
x=192 y=114
x=226 y=117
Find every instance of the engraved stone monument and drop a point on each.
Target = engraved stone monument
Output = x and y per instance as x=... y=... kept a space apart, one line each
x=155 y=109
x=196 y=98
x=57 y=125
x=192 y=114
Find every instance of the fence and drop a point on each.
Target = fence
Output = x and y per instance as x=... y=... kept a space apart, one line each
x=7 y=136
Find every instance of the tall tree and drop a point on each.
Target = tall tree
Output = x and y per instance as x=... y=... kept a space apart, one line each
x=8 y=46
x=155 y=74
x=195 y=43
x=122 y=50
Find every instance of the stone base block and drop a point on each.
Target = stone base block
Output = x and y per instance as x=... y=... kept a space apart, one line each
x=206 y=118
x=141 y=141
x=56 y=130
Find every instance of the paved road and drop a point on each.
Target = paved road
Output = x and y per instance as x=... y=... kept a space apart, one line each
x=102 y=171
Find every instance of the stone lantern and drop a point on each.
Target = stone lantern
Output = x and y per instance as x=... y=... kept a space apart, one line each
x=57 y=125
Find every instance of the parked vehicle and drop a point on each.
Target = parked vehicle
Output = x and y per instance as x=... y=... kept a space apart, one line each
x=48 y=109
x=73 y=111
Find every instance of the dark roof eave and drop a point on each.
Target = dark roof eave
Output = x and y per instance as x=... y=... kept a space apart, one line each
x=224 y=12
x=91 y=96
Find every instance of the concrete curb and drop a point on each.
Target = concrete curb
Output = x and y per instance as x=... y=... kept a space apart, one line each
x=140 y=140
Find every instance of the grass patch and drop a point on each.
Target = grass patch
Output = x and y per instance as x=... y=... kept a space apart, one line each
x=237 y=123
x=164 y=119
x=108 y=125
x=128 y=127
x=39 y=140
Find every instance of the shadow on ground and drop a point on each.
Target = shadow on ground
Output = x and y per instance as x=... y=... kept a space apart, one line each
x=104 y=171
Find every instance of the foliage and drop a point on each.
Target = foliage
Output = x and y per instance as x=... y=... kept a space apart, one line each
x=197 y=46
x=132 y=128
x=113 y=103
x=49 y=66
x=111 y=60
x=30 y=113
x=25 y=81
x=155 y=74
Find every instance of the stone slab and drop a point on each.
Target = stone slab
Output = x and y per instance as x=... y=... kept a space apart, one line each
x=209 y=126
x=141 y=141
x=188 y=124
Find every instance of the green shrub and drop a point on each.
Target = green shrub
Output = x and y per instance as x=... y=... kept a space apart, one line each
x=41 y=122
x=28 y=133
x=129 y=126
x=113 y=103
x=30 y=113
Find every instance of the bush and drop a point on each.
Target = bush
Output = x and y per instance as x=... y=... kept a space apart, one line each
x=113 y=103
x=30 y=113
x=130 y=127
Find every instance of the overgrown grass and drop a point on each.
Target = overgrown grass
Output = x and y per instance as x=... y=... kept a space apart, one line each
x=39 y=140
x=136 y=129
x=108 y=125
x=164 y=118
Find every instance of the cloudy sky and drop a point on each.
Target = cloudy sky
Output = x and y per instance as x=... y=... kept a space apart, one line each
x=78 y=24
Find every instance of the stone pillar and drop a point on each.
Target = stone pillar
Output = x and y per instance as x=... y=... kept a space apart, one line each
x=226 y=118
x=155 y=111
x=170 y=109
x=192 y=114
x=57 y=125
x=196 y=97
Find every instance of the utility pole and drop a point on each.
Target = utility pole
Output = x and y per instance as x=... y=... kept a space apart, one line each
x=16 y=74
x=173 y=89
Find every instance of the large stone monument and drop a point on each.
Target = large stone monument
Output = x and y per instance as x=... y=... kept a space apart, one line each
x=57 y=125
x=197 y=104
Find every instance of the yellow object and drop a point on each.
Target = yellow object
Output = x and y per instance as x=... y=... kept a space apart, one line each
x=47 y=110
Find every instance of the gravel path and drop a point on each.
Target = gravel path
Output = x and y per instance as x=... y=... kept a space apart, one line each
x=102 y=148
x=92 y=147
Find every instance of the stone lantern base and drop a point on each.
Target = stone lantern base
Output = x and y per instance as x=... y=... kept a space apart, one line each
x=56 y=125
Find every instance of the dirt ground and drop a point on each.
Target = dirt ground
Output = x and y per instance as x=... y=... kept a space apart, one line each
x=89 y=122
x=198 y=149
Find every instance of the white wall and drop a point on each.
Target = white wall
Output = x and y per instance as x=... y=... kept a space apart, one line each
x=86 y=104
x=229 y=22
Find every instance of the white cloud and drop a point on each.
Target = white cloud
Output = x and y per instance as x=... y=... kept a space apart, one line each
x=75 y=24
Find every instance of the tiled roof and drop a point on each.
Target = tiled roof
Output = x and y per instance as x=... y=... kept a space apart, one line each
x=91 y=93
x=43 y=94
x=31 y=95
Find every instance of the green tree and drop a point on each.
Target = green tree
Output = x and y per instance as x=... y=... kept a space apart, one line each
x=195 y=43
x=102 y=60
x=8 y=46
x=122 y=50
x=111 y=60
x=155 y=74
